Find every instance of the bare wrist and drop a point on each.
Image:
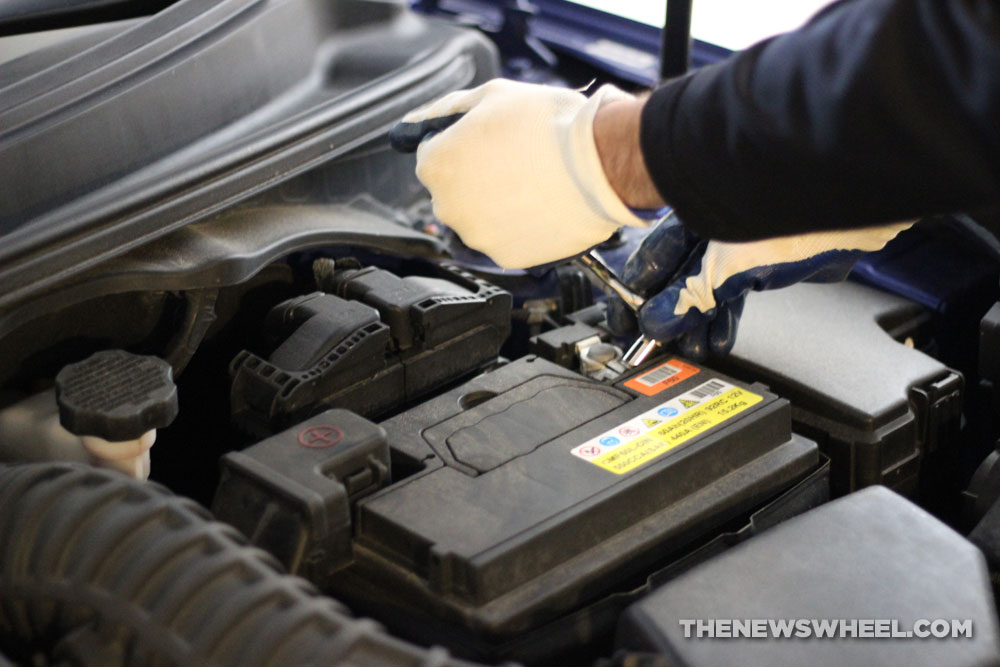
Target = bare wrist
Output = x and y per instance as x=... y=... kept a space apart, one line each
x=616 y=133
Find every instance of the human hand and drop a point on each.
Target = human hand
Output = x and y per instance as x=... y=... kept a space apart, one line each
x=514 y=170
x=696 y=288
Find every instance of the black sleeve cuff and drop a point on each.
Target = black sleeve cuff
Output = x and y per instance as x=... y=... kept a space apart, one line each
x=674 y=163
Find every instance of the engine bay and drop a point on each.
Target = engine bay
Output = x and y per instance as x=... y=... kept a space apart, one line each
x=338 y=406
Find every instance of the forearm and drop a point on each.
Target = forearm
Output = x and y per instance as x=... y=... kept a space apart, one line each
x=616 y=133
x=880 y=110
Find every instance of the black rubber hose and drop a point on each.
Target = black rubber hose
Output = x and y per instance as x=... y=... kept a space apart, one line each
x=96 y=568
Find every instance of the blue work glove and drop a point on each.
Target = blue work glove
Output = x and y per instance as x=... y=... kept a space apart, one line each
x=695 y=289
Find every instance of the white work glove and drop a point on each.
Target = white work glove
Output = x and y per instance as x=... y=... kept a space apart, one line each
x=514 y=170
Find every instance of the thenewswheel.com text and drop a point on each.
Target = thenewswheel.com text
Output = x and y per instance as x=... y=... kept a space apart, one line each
x=878 y=628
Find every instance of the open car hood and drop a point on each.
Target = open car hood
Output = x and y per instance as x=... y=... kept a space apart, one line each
x=144 y=128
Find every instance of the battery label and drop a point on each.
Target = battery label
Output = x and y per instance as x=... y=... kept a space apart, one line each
x=662 y=377
x=669 y=425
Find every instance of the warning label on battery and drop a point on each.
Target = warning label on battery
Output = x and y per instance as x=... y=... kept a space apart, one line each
x=669 y=425
x=662 y=377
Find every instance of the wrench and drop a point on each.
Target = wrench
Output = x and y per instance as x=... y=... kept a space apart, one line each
x=405 y=137
x=595 y=265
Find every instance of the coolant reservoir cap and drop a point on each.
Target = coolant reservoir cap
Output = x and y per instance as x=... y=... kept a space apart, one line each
x=116 y=395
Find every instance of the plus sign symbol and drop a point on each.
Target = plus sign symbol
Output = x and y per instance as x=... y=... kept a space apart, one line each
x=320 y=436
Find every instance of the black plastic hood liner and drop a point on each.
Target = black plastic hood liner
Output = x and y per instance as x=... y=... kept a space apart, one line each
x=28 y=15
x=202 y=105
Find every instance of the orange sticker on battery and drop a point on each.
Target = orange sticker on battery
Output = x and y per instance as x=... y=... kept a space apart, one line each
x=662 y=377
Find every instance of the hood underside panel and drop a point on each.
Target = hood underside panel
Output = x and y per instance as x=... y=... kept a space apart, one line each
x=183 y=114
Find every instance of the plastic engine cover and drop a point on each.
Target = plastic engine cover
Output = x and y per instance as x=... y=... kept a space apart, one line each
x=876 y=407
x=871 y=555
x=372 y=344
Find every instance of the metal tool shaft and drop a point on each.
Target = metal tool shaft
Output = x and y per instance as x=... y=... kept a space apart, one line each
x=605 y=275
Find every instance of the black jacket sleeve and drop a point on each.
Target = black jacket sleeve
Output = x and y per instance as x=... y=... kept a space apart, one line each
x=875 y=111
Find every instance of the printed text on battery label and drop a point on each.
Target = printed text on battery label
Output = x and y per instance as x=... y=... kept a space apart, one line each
x=642 y=424
x=674 y=432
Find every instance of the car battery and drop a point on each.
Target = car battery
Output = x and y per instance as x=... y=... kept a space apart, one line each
x=879 y=408
x=533 y=491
